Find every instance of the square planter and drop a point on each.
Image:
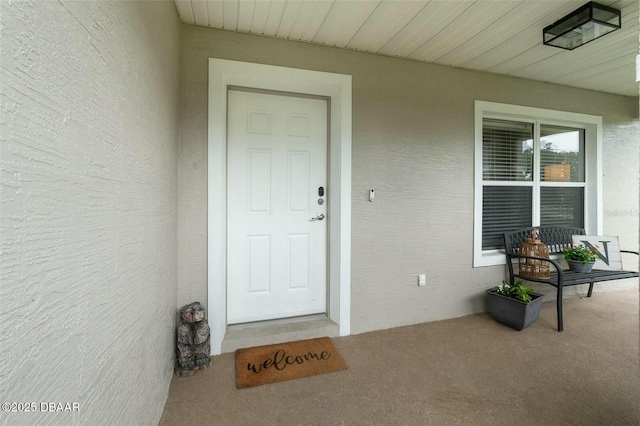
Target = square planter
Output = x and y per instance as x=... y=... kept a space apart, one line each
x=512 y=312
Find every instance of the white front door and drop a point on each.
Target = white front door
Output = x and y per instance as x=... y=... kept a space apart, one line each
x=276 y=206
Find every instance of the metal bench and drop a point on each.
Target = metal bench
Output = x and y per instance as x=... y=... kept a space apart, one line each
x=557 y=238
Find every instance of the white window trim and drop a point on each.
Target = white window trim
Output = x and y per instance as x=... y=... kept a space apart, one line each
x=593 y=166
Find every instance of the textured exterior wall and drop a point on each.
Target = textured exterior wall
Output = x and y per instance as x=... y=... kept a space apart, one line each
x=413 y=141
x=90 y=98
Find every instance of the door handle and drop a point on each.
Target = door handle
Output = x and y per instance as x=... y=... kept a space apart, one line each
x=319 y=217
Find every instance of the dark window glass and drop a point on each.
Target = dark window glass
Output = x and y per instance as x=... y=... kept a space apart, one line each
x=504 y=208
x=562 y=207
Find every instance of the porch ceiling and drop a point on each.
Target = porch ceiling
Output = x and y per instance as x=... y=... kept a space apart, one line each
x=497 y=36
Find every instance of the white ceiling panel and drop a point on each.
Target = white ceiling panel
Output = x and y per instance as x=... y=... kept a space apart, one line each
x=200 y=12
x=343 y=22
x=466 y=26
x=230 y=15
x=289 y=19
x=539 y=57
x=246 y=9
x=432 y=19
x=260 y=16
x=497 y=36
x=383 y=24
x=526 y=39
x=185 y=11
x=313 y=15
x=215 y=13
x=507 y=27
x=276 y=12
x=606 y=72
x=582 y=62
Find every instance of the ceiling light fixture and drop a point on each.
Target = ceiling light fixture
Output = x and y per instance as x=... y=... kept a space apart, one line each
x=581 y=26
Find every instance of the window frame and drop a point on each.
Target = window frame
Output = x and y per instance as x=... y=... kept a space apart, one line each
x=592 y=125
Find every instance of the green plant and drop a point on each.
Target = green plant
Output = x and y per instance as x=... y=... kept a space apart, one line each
x=581 y=253
x=516 y=291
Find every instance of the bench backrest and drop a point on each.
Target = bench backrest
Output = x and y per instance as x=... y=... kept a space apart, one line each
x=557 y=238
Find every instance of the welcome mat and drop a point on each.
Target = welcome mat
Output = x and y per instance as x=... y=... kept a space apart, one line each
x=285 y=361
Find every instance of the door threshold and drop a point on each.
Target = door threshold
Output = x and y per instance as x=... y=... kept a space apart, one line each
x=278 y=331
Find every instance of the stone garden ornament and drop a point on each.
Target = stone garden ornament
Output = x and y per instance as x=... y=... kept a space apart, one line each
x=193 y=344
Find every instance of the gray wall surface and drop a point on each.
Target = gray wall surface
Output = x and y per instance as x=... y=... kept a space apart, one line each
x=413 y=141
x=90 y=98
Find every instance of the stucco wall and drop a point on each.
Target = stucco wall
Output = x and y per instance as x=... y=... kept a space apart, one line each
x=413 y=141
x=90 y=98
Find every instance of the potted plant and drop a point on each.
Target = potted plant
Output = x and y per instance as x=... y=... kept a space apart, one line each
x=580 y=258
x=514 y=305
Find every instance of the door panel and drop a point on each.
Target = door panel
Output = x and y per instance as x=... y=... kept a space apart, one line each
x=277 y=160
x=259 y=180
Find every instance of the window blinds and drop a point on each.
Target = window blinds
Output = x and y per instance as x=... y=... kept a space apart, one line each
x=507 y=150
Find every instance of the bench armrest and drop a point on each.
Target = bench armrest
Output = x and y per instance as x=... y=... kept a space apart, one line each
x=511 y=256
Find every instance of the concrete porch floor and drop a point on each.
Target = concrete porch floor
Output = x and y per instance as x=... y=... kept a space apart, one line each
x=467 y=371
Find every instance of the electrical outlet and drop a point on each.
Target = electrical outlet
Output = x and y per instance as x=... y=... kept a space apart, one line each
x=422 y=280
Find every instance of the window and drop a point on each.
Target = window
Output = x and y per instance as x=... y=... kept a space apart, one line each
x=534 y=167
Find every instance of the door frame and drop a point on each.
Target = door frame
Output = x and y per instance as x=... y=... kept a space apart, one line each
x=337 y=88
